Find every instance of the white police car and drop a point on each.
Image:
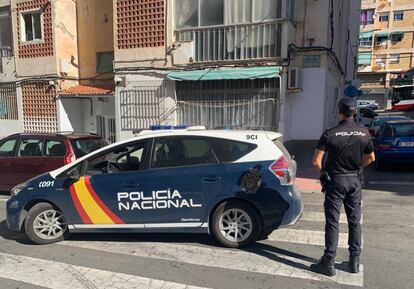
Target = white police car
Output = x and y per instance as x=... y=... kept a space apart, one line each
x=236 y=185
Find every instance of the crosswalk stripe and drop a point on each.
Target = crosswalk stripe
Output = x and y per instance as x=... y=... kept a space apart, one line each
x=307 y=237
x=59 y=275
x=265 y=260
x=309 y=216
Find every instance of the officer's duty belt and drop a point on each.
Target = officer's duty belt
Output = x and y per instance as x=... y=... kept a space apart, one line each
x=354 y=174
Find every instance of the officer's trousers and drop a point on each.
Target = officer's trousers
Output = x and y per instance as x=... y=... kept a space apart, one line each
x=346 y=190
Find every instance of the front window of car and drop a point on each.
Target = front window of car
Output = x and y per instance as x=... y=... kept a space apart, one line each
x=124 y=158
x=181 y=151
x=85 y=146
x=7 y=147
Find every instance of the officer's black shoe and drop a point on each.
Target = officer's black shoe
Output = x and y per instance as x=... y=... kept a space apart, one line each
x=325 y=266
x=354 y=264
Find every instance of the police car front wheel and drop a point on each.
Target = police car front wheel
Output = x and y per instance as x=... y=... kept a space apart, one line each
x=235 y=224
x=45 y=224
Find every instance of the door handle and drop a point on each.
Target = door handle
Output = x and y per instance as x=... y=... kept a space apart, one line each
x=211 y=179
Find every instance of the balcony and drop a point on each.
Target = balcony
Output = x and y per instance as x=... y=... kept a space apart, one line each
x=6 y=51
x=247 y=41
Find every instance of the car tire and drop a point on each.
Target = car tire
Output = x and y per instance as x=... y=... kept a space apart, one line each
x=45 y=224
x=224 y=224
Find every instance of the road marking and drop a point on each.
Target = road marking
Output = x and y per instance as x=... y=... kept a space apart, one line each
x=265 y=260
x=59 y=275
x=393 y=183
x=4 y=198
x=320 y=217
x=307 y=237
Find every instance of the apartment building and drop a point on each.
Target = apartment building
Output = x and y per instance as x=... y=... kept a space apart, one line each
x=233 y=64
x=56 y=66
x=386 y=46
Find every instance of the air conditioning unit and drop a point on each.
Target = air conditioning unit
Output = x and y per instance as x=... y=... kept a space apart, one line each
x=184 y=54
x=293 y=78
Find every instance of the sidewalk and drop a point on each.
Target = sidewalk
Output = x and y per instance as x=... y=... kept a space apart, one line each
x=307 y=178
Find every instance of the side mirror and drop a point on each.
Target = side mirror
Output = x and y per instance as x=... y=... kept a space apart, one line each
x=74 y=174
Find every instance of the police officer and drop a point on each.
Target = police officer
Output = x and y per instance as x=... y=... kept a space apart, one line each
x=348 y=148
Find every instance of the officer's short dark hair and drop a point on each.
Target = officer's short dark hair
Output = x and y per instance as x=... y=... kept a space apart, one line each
x=347 y=106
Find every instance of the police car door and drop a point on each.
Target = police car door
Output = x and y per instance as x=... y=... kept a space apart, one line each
x=107 y=178
x=183 y=179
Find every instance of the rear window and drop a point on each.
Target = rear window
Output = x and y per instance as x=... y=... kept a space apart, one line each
x=400 y=130
x=230 y=150
x=55 y=148
x=83 y=146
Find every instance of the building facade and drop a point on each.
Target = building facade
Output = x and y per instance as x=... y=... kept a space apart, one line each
x=386 y=47
x=51 y=49
x=233 y=64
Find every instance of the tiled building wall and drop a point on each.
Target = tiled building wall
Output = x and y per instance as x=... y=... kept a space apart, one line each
x=408 y=20
x=39 y=107
x=45 y=47
x=140 y=23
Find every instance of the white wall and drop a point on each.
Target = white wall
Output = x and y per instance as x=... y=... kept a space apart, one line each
x=304 y=111
x=75 y=114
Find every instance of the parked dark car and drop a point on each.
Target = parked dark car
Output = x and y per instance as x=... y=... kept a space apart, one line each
x=24 y=156
x=394 y=144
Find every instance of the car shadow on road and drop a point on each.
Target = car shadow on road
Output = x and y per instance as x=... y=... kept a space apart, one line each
x=262 y=249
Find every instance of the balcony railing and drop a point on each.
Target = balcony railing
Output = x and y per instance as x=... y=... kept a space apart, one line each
x=6 y=51
x=234 y=42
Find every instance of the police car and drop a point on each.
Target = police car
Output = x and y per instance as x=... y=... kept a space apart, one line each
x=235 y=185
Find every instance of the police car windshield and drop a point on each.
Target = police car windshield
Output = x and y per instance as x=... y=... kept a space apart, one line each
x=83 y=147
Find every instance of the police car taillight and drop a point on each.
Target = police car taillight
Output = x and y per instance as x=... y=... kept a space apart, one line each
x=281 y=169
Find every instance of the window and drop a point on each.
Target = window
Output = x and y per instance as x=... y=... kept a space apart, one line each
x=195 y=13
x=397 y=36
x=366 y=41
x=394 y=58
x=383 y=17
x=122 y=158
x=181 y=151
x=212 y=12
x=31 y=26
x=104 y=62
x=7 y=147
x=230 y=150
x=398 y=15
x=380 y=58
x=30 y=148
x=55 y=148
x=85 y=146
x=367 y=16
x=381 y=40
x=5 y=32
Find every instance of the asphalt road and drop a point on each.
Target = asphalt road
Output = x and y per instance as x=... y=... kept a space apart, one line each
x=195 y=261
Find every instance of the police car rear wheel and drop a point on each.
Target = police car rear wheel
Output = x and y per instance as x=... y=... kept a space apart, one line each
x=235 y=224
x=45 y=224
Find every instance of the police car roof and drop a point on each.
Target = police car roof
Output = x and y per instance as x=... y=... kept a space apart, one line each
x=226 y=134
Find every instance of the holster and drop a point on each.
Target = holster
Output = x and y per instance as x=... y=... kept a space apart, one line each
x=361 y=176
x=325 y=179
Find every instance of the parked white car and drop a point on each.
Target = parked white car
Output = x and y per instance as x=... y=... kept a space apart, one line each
x=368 y=103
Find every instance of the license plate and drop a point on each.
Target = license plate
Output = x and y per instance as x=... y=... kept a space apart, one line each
x=407 y=144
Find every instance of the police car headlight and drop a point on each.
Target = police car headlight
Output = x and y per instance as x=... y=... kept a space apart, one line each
x=17 y=189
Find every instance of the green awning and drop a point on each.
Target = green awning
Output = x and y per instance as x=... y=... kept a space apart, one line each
x=397 y=33
x=364 y=58
x=366 y=34
x=381 y=34
x=225 y=73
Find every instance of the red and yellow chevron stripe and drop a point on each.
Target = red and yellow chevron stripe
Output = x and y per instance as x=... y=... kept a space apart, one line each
x=91 y=209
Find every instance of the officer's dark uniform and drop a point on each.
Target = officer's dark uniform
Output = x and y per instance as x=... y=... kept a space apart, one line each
x=345 y=146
